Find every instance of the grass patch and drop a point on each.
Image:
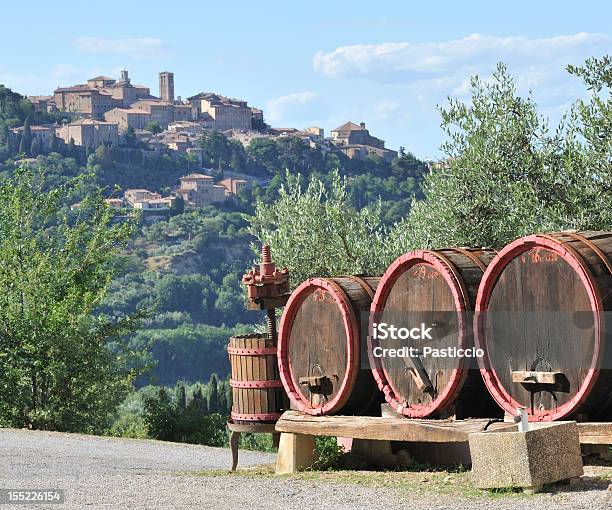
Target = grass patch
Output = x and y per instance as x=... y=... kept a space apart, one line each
x=450 y=483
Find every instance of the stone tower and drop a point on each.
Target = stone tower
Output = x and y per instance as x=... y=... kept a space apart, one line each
x=166 y=86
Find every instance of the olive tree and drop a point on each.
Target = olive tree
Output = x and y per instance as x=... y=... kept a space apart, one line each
x=508 y=174
x=314 y=232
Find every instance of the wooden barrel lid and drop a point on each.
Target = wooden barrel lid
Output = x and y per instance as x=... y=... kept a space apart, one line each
x=319 y=337
x=531 y=281
x=423 y=284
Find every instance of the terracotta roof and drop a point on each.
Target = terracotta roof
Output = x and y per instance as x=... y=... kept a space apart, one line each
x=218 y=99
x=76 y=88
x=98 y=78
x=229 y=180
x=151 y=101
x=38 y=127
x=79 y=122
x=130 y=110
x=349 y=126
x=196 y=176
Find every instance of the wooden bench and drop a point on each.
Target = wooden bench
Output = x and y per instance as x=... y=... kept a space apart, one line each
x=296 y=448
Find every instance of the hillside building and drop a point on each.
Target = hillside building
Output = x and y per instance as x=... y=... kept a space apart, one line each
x=42 y=103
x=224 y=113
x=133 y=196
x=99 y=95
x=145 y=111
x=43 y=133
x=198 y=190
x=89 y=133
x=166 y=86
x=233 y=186
x=356 y=142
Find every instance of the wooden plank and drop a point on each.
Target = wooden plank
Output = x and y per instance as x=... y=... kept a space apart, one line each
x=534 y=377
x=391 y=429
x=595 y=433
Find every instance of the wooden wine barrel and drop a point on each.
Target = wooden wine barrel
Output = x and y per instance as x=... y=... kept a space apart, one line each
x=322 y=342
x=437 y=288
x=257 y=393
x=541 y=313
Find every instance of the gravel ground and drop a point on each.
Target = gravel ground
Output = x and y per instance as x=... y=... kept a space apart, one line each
x=134 y=474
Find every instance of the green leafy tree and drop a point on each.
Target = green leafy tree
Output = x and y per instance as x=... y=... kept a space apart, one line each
x=224 y=401
x=178 y=206
x=71 y=148
x=129 y=137
x=594 y=119
x=58 y=371
x=180 y=293
x=154 y=127
x=216 y=149
x=53 y=144
x=161 y=416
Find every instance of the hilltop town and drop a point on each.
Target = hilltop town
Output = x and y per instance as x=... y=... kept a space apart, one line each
x=106 y=112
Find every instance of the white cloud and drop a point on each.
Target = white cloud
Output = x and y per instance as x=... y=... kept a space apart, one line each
x=289 y=107
x=65 y=71
x=409 y=61
x=143 y=47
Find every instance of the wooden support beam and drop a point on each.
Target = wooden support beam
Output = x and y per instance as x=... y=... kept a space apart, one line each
x=595 y=433
x=386 y=429
x=296 y=452
x=391 y=428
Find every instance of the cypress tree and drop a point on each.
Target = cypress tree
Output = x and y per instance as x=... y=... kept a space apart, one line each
x=181 y=395
x=222 y=398
x=198 y=401
x=213 y=394
x=35 y=147
x=26 y=137
x=53 y=144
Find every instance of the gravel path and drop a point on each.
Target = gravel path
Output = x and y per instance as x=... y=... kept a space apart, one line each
x=133 y=474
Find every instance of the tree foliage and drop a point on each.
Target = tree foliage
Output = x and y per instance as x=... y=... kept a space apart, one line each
x=57 y=370
x=166 y=418
x=509 y=174
x=315 y=232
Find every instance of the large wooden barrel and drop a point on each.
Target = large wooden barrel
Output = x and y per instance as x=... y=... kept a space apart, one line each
x=437 y=289
x=257 y=393
x=322 y=343
x=541 y=313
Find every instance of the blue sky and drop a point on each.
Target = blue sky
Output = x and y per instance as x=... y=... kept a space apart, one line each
x=313 y=63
